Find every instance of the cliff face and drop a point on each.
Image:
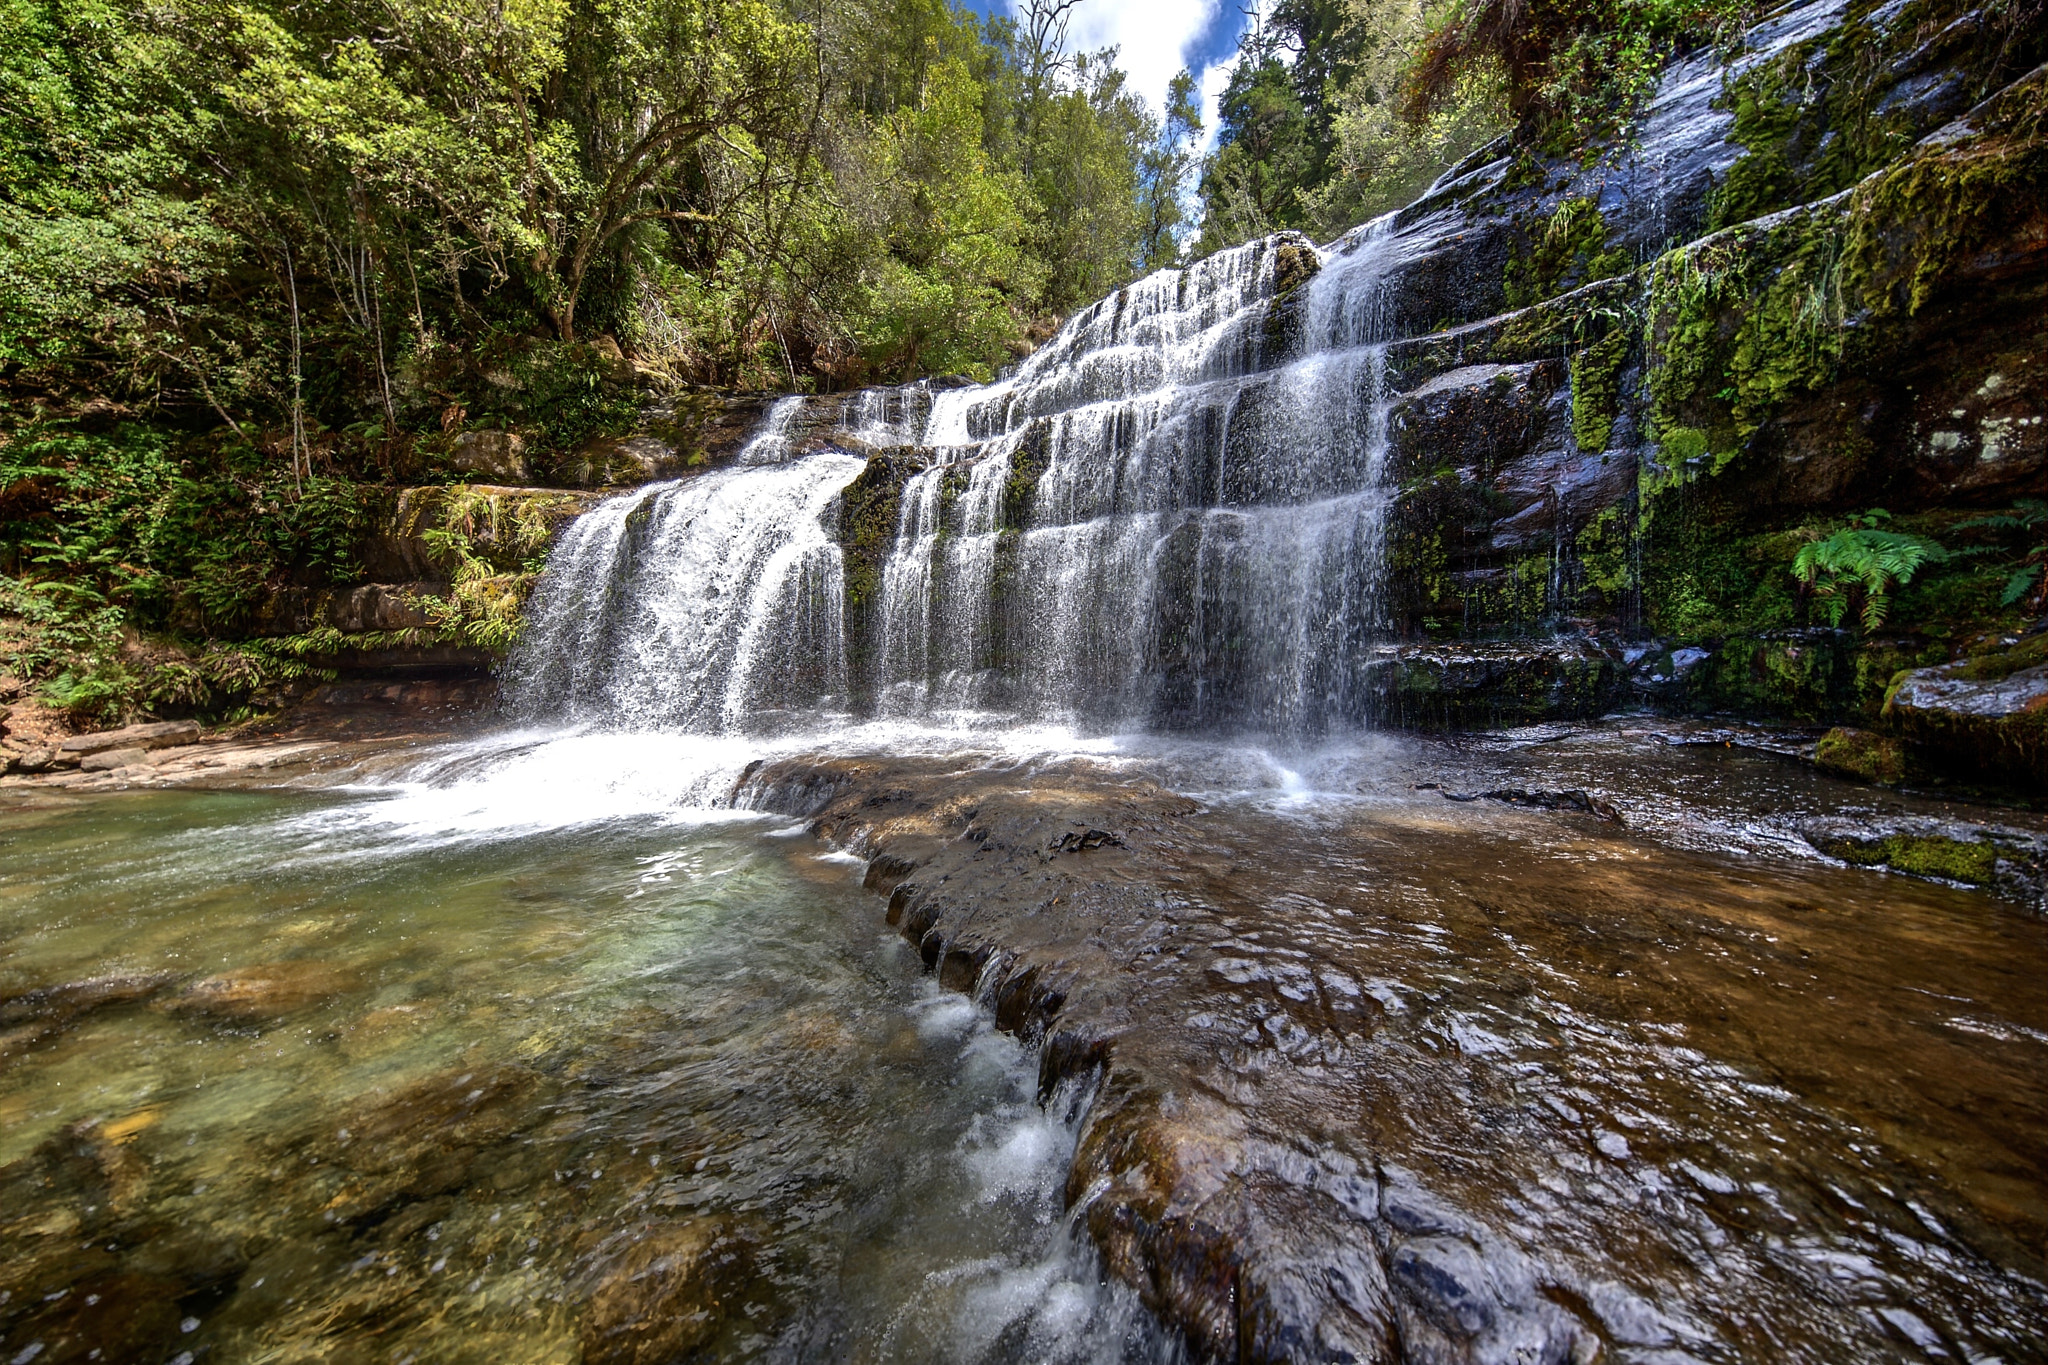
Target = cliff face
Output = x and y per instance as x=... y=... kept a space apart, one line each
x=1813 y=287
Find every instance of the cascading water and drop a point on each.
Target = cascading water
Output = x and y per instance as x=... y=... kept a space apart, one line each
x=697 y=604
x=1169 y=516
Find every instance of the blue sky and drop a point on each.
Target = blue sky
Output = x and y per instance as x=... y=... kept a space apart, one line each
x=1157 y=38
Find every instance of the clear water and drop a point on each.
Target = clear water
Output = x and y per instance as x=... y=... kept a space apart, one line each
x=444 y=1071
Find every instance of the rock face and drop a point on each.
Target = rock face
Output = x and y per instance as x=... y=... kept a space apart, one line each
x=494 y=456
x=1619 y=393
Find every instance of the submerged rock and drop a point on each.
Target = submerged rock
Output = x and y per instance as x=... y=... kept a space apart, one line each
x=664 y=1295
x=1595 y=806
x=262 y=993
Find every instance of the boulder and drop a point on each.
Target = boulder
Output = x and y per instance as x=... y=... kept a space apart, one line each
x=1861 y=755
x=35 y=760
x=1985 y=716
x=2012 y=862
x=496 y=455
x=160 y=735
x=622 y=459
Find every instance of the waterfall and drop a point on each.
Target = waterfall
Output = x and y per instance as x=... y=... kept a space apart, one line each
x=699 y=604
x=1171 y=515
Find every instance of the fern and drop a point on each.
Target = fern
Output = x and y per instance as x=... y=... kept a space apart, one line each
x=1862 y=560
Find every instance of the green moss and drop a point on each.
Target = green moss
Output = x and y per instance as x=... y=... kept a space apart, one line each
x=1861 y=755
x=867 y=525
x=1567 y=250
x=1743 y=321
x=1596 y=388
x=1925 y=855
x=1550 y=328
x=1603 y=546
x=1027 y=466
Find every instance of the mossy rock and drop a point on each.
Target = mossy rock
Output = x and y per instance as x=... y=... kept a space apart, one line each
x=1986 y=716
x=1862 y=755
x=2012 y=862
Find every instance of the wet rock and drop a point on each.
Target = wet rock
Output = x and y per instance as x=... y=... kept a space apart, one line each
x=1862 y=755
x=74 y=999
x=262 y=993
x=1584 y=802
x=499 y=456
x=1485 y=685
x=1989 y=713
x=664 y=1295
x=160 y=735
x=2011 y=862
x=1082 y=840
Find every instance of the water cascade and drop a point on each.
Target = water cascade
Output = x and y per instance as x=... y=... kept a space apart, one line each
x=1171 y=515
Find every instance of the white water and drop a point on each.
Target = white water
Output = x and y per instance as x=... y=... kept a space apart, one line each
x=1169 y=516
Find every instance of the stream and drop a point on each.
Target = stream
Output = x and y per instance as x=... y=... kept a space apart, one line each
x=531 y=1048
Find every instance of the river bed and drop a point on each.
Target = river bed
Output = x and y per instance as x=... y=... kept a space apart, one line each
x=531 y=1048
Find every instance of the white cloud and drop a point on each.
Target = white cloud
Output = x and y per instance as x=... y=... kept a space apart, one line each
x=1153 y=37
x=1214 y=79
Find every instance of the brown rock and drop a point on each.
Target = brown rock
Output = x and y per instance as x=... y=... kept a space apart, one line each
x=661 y=1298
x=263 y=992
x=106 y=760
x=35 y=760
x=159 y=735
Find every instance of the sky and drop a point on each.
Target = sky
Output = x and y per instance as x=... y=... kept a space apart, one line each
x=1157 y=38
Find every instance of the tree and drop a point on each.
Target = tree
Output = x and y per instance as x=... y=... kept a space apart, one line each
x=1164 y=173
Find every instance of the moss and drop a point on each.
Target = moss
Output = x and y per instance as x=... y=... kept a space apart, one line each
x=1027 y=466
x=1861 y=755
x=1824 y=113
x=1550 y=328
x=1603 y=547
x=1743 y=321
x=867 y=524
x=1924 y=855
x=1567 y=250
x=1596 y=388
x=1912 y=225
x=1740 y=322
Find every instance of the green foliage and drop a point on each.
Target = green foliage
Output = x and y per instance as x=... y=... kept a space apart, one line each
x=1575 y=70
x=1862 y=560
x=2026 y=523
x=1312 y=133
x=562 y=394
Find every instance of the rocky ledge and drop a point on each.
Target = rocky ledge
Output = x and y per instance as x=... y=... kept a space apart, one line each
x=1404 y=1080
